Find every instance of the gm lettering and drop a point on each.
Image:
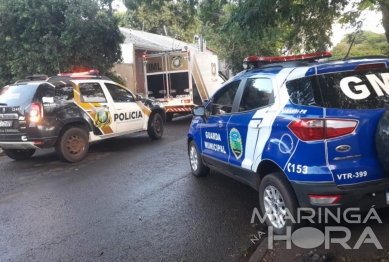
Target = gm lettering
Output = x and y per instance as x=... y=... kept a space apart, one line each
x=128 y=116
x=362 y=89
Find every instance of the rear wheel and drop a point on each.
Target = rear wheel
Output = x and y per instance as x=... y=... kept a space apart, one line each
x=196 y=163
x=73 y=145
x=19 y=154
x=276 y=198
x=382 y=140
x=155 y=126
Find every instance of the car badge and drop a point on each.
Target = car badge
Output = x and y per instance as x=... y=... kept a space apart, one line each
x=343 y=148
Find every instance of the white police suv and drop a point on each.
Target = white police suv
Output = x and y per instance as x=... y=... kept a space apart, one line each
x=303 y=133
x=69 y=111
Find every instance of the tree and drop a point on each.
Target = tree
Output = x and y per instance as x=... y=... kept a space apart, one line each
x=172 y=18
x=231 y=42
x=365 y=43
x=48 y=36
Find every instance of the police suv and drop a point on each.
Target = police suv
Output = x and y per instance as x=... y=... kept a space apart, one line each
x=303 y=133
x=69 y=111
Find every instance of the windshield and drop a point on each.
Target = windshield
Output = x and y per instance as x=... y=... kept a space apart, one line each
x=17 y=95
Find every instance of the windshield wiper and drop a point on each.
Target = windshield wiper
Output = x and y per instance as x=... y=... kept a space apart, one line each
x=3 y=104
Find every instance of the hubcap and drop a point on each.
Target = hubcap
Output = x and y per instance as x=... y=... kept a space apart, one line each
x=193 y=157
x=274 y=206
x=75 y=145
x=157 y=125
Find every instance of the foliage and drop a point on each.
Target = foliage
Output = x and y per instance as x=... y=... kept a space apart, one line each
x=230 y=43
x=365 y=43
x=48 y=36
x=154 y=16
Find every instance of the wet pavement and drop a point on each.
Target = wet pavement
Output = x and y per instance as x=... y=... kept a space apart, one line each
x=131 y=199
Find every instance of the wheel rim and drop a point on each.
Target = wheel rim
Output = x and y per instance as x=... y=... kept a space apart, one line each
x=75 y=145
x=157 y=125
x=193 y=158
x=274 y=206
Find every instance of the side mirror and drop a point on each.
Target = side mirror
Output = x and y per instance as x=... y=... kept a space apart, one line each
x=138 y=97
x=198 y=111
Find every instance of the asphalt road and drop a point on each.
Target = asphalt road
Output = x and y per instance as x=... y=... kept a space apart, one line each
x=132 y=199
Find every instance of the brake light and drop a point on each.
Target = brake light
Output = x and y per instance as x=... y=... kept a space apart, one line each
x=35 y=112
x=319 y=129
x=254 y=60
x=319 y=199
x=370 y=66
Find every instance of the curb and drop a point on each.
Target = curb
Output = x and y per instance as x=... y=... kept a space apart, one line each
x=259 y=252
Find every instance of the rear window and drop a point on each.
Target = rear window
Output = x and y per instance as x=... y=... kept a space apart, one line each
x=17 y=95
x=367 y=89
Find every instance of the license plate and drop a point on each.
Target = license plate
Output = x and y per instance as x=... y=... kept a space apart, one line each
x=5 y=123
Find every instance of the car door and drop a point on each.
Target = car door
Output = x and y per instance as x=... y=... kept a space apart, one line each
x=248 y=129
x=128 y=116
x=214 y=138
x=93 y=100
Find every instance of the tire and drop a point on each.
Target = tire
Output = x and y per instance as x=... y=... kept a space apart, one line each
x=169 y=117
x=19 y=154
x=155 y=126
x=271 y=203
x=382 y=140
x=196 y=163
x=73 y=145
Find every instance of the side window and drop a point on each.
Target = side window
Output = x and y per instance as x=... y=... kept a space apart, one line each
x=45 y=93
x=301 y=91
x=119 y=94
x=64 y=93
x=257 y=93
x=223 y=100
x=92 y=93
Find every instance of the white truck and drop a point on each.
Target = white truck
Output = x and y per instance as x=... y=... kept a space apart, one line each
x=181 y=80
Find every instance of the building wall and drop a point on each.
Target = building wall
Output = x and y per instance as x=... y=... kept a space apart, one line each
x=126 y=72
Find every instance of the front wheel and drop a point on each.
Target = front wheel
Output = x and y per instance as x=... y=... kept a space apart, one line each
x=19 y=154
x=276 y=199
x=73 y=145
x=155 y=126
x=196 y=163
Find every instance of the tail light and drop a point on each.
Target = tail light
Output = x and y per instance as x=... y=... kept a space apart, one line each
x=319 y=129
x=35 y=112
x=320 y=199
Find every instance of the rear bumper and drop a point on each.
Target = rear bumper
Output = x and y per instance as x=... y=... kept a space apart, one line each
x=362 y=196
x=18 y=145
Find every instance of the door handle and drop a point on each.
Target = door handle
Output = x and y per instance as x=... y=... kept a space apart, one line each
x=256 y=124
x=89 y=110
x=220 y=124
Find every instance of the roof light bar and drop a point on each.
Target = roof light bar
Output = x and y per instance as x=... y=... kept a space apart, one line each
x=255 y=61
x=90 y=72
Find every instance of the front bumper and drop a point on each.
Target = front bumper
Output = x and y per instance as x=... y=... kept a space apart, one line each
x=362 y=196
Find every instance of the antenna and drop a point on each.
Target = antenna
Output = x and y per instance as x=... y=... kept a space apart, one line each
x=351 y=45
x=164 y=28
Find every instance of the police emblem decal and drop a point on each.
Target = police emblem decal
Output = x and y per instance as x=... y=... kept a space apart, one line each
x=102 y=117
x=177 y=62
x=236 y=143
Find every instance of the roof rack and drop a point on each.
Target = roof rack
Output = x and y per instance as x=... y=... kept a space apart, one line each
x=86 y=77
x=32 y=78
x=256 y=61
